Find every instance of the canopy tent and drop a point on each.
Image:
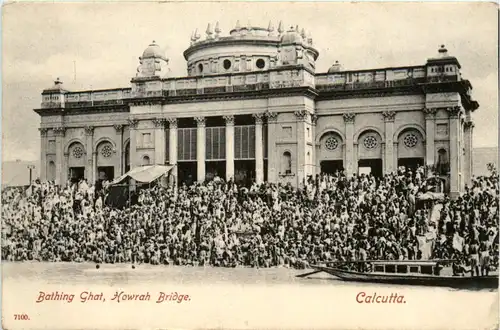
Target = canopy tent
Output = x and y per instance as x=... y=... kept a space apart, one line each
x=144 y=174
x=123 y=190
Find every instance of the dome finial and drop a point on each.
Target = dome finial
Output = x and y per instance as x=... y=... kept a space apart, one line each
x=270 y=27
x=209 y=31
x=237 y=27
x=303 y=34
x=309 y=39
x=280 y=28
x=217 y=29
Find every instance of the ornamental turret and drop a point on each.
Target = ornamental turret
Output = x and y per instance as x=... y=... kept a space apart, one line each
x=153 y=62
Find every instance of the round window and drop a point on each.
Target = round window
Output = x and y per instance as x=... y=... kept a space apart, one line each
x=107 y=150
x=410 y=140
x=370 y=142
x=227 y=64
x=260 y=63
x=200 y=68
x=78 y=152
x=331 y=143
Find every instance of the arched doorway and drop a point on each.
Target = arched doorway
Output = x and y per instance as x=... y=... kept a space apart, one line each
x=411 y=149
x=331 y=153
x=106 y=161
x=76 y=162
x=370 y=153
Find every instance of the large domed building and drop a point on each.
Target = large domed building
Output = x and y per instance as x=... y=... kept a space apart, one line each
x=253 y=108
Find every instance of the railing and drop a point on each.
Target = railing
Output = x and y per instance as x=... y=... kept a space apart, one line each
x=253 y=81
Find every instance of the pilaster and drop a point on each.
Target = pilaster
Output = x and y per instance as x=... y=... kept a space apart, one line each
x=454 y=113
x=89 y=145
x=468 y=161
x=119 y=148
x=133 y=123
x=430 y=125
x=172 y=146
x=61 y=172
x=389 y=117
x=349 y=136
x=272 y=159
x=43 y=154
x=314 y=121
x=160 y=147
x=302 y=120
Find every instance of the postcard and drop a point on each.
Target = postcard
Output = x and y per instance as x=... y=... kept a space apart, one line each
x=250 y=165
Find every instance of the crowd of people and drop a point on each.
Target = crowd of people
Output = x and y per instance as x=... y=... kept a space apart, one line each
x=329 y=218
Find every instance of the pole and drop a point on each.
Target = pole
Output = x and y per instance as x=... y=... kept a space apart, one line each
x=31 y=167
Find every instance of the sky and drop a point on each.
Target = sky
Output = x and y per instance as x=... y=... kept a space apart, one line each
x=43 y=41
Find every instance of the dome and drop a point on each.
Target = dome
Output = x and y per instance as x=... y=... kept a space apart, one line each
x=153 y=51
x=336 y=67
x=291 y=37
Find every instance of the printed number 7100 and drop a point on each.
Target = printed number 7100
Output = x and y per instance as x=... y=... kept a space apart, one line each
x=21 y=317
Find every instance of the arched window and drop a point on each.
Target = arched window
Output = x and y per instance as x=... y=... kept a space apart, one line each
x=287 y=163
x=145 y=161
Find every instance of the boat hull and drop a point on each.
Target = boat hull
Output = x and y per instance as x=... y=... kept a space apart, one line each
x=460 y=282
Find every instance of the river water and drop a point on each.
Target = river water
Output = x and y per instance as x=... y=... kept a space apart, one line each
x=235 y=298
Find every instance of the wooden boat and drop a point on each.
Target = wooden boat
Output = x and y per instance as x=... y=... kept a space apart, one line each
x=411 y=272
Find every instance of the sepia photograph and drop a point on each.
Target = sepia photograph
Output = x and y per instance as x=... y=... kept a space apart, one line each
x=249 y=165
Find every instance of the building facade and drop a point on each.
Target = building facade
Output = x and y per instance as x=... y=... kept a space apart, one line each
x=252 y=108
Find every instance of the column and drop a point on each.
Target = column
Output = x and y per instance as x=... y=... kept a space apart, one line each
x=61 y=176
x=89 y=147
x=272 y=159
x=350 y=157
x=119 y=148
x=133 y=142
x=172 y=147
x=454 y=113
x=389 y=117
x=302 y=120
x=159 y=141
x=469 y=127
x=200 y=148
x=430 y=126
x=315 y=169
x=230 y=147
x=43 y=154
x=259 y=149
x=95 y=174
